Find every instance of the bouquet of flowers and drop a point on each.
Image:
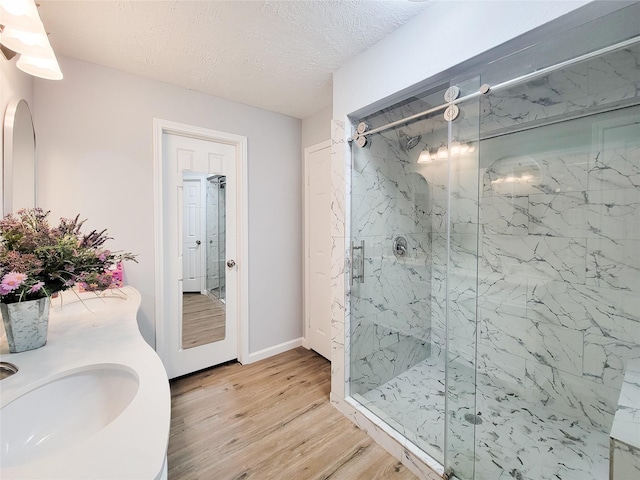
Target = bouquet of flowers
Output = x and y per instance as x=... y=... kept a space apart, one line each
x=37 y=260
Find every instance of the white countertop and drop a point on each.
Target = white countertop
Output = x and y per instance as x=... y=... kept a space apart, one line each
x=134 y=445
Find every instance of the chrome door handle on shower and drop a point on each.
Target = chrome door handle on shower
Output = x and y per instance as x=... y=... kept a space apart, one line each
x=352 y=261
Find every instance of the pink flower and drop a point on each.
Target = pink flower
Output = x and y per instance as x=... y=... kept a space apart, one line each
x=11 y=281
x=36 y=288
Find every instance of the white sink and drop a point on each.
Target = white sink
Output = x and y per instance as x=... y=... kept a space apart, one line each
x=64 y=411
x=88 y=304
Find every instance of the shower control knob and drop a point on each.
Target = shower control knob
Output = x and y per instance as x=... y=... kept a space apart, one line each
x=231 y=263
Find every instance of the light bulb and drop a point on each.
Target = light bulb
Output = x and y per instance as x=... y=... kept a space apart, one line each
x=425 y=156
x=31 y=43
x=20 y=14
x=40 y=66
x=442 y=152
x=455 y=148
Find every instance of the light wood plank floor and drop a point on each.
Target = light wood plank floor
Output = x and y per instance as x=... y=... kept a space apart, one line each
x=203 y=320
x=269 y=420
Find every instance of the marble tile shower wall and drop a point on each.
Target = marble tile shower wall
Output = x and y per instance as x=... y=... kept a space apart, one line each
x=600 y=81
x=559 y=281
x=390 y=310
x=559 y=271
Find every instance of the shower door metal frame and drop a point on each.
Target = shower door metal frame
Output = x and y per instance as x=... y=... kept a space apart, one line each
x=486 y=88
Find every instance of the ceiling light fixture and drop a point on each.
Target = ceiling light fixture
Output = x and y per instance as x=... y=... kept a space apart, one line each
x=22 y=31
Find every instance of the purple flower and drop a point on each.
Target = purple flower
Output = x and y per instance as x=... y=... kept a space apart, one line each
x=103 y=254
x=36 y=287
x=11 y=281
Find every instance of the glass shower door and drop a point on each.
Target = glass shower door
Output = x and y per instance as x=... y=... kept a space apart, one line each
x=461 y=282
x=397 y=297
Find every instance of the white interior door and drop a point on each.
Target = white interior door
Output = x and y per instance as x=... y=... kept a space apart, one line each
x=318 y=247
x=193 y=267
x=183 y=157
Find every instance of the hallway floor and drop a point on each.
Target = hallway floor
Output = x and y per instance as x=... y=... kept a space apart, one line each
x=269 y=420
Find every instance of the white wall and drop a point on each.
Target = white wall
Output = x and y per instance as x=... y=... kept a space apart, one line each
x=95 y=144
x=317 y=128
x=445 y=34
x=14 y=85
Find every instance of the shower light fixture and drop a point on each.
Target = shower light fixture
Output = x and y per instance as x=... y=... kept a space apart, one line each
x=425 y=156
x=22 y=31
x=456 y=149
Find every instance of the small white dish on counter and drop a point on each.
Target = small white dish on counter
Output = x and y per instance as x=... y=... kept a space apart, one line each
x=94 y=402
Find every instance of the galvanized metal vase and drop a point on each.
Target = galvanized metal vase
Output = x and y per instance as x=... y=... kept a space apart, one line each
x=26 y=324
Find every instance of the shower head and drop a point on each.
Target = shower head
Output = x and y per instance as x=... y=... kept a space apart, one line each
x=407 y=142
x=413 y=141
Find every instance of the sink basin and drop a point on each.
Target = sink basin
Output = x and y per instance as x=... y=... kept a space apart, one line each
x=92 y=304
x=63 y=412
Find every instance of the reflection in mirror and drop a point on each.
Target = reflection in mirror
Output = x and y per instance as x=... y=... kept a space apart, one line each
x=19 y=159
x=203 y=307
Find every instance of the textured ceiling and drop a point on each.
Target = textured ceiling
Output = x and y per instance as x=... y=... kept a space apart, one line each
x=277 y=55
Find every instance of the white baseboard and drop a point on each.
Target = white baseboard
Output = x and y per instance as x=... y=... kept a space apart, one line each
x=275 y=350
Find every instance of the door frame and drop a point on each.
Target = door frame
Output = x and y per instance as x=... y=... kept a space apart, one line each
x=305 y=251
x=161 y=127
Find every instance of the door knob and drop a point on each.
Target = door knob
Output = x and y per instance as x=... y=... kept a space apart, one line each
x=231 y=263
x=198 y=242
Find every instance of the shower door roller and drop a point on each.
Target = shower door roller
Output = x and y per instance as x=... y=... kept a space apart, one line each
x=231 y=263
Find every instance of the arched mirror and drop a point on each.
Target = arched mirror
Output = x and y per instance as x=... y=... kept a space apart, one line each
x=19 y=158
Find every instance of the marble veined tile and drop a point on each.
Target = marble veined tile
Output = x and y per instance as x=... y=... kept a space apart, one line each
x=614 y=70
x=613 y=263
x=500 y=370
x=579 y=307
x=412 y=320
x=502 y=293
x=540 y=257
x=571 y=395
x=558 y=214
x=615 y=167
x=605 y=359
x=340 y=181
x=615 y=214
x=550 y=345
x=505 y=215
x=522 y=440
x=361 y=338
x=518 y=438
x=392 y=352
x=413 y=402
x=382 y=293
